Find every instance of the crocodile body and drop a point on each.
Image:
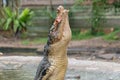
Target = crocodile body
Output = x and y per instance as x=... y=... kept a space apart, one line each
x=54 y=64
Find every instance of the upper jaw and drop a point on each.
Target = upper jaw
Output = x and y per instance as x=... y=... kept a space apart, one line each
x=59 y=9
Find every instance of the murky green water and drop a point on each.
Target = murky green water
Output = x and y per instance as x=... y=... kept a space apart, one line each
x=24 y=68
x=71 y=75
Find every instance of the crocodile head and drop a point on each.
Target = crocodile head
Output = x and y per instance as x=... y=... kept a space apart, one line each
x=59 y=25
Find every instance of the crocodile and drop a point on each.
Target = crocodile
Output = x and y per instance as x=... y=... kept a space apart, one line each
x=53 y=66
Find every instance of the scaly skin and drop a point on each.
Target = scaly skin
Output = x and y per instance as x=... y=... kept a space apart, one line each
x=59 y=38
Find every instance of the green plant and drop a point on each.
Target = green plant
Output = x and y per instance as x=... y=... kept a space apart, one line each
x=1 y=17
x=1 y=21
x=16 y=22
x=97 y=14
x=113 y=35
x=50 y=13
x=77 y=35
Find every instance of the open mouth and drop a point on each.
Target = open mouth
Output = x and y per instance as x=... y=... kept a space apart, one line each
x=58 y=10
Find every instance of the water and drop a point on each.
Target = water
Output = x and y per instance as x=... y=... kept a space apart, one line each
x=94 y=75
x=77 y=69
x=28 y=74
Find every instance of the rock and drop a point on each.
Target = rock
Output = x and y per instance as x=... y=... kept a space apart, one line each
x=73 y=77
x=2 y=66
x=9 y=65
x=101 y=52
x=1 y=53
x=92 y=58
x=109 y=56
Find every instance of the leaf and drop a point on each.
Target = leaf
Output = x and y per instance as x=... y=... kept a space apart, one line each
x=23 y=24
x=26 y=15
x=16 y=25
x=7 y=23
x=1 y=21
x=8 y=12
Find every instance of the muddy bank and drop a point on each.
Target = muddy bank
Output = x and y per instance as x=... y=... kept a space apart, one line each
x=91 y=53
x=92 y=49
x=95 y=42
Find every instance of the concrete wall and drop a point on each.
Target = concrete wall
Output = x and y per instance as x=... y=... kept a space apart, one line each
x=79 y=17
x=45 y=2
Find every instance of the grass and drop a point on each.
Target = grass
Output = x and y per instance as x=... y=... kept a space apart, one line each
x=112 y=36
x=40 y=40
x=77 y=35
x=34 y=41
x=80 y=36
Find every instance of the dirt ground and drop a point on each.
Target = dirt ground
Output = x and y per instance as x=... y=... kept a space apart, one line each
x=95 y=42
